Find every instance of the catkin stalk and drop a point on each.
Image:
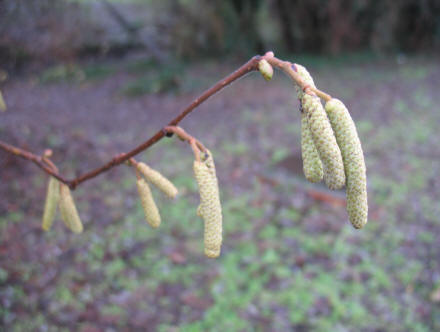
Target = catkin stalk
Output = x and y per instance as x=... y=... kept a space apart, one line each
x=158 y=180
x=210 y=207
x=354 y=164
x=150 y=209
x=50 y=206
x=325 y=142
x=69 y=213
x=312 y=165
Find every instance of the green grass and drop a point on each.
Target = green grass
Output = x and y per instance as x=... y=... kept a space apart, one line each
x=282 y=266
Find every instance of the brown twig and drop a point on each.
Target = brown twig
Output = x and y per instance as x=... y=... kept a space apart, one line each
x=252 y=65
x=288 y=68
x=184 y=136
x=133 y=163
x=37 y=160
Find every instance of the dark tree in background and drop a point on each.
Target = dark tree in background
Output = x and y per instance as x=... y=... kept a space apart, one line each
x=48 y=30
x=340 y=25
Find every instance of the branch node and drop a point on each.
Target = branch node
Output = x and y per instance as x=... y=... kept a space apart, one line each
x=167 y=133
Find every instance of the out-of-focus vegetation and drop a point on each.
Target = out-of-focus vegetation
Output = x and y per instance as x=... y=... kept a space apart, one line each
x=291 y=261
x=47 y=30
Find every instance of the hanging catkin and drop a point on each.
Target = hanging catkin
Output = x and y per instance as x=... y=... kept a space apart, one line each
x=2 y=103
x=354 y=164
x=312 y=165
x=158 y=180
x=69 y=214
x=210 y=207
x=150 y=209
x=306 y=77
x=50 y=206
x=325 y=141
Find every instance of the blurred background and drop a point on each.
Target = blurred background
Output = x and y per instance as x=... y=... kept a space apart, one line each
x=93 y=78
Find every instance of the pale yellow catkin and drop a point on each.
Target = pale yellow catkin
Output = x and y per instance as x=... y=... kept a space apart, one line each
x=306 y=77
x=312 y=165
x=354 y=163
x=68 y=210
x=325 y=141
x=210 y=207
x=50 y=206
x=150 y=208
x=265 y=69
x=3 y=106
x=158 y=180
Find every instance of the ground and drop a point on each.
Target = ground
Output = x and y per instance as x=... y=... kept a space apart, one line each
x=290 y=258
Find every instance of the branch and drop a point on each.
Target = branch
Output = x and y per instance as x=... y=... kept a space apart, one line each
x=252 y=65
x=195 y=144
x=40 y=161
x=290 y=70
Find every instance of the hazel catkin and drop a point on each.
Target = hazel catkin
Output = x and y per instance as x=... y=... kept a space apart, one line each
x=3 y=106
x=158 y=180
x=325 y=141
x=265 y=69
x=210 y=207
x=150 y=209
x=50 y=206
x=306 y=77
x=312 y=165
x=353 y=158
x=69 y=213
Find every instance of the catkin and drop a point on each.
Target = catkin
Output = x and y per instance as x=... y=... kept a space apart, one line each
x=265 y=69
x=69 y=214
x=3 y=106
x=354 y=164
x=325 y=141
x=210 y=207
x=150 y=209
x=306 y=77
x=50 y=206
x=312 y=165
x=158 y=180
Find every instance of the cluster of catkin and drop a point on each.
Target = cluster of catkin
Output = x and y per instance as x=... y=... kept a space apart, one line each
x=209 y=209
x=331 y=148
x=58 y=194
x=162 y=183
